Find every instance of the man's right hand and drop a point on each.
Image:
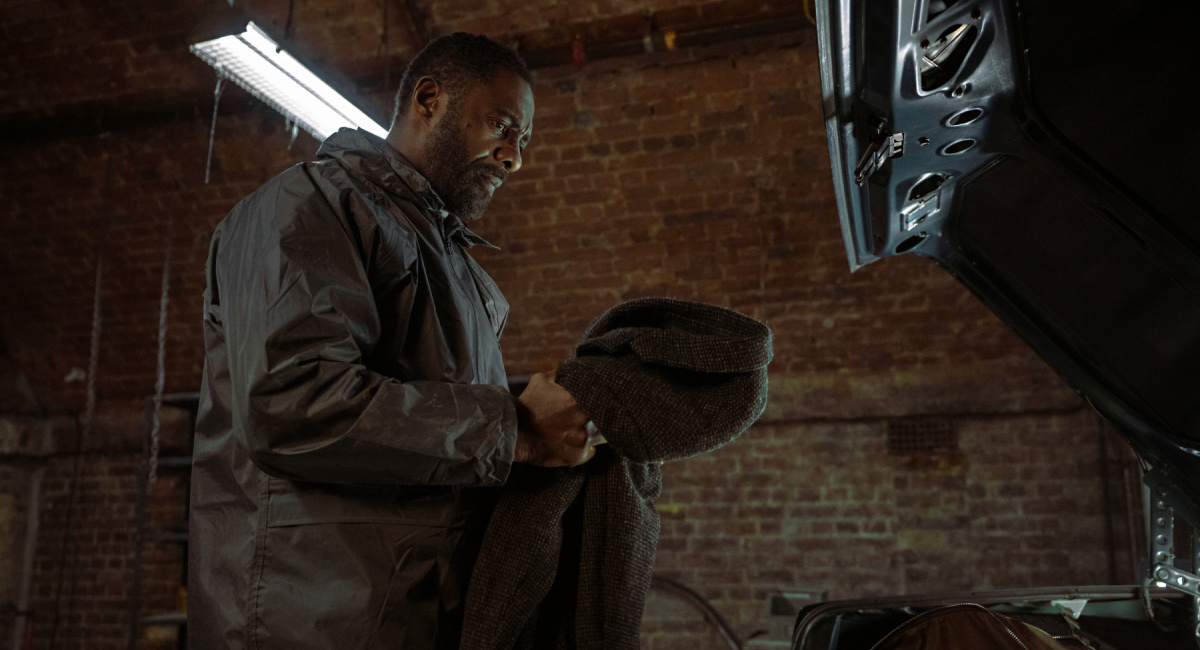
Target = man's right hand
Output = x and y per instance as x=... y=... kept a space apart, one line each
x=551 y=428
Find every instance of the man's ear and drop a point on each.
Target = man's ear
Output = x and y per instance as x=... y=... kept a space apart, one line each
x=428 y=98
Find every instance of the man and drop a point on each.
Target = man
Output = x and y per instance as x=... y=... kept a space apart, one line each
x=354 y=397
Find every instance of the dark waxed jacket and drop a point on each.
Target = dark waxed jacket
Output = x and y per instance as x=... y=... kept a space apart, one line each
x=353 y=394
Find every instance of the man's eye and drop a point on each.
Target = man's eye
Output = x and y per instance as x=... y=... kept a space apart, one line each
x=500 y=127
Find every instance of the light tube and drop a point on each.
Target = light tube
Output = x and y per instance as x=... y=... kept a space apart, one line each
x=253 y=61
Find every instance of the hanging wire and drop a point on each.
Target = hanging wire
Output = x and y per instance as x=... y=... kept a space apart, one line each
x=808 y=12
x=383 y=33
x=710 y=613
x=67 y=527
x=85 y=427
x=89 y=410
x=383 y=48
x=293 y=125
x=1148 y=607
x=212 y=132
x=161 y=381
x=287 y=27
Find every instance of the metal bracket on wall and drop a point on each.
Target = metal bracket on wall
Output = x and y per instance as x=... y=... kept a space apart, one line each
x=1165 y=504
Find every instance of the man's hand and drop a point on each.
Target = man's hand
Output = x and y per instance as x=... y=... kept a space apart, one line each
x=551 y=428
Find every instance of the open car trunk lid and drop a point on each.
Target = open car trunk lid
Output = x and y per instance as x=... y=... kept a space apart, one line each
x=1040 y=152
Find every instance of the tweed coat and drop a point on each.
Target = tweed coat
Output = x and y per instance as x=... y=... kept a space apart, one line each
x=568 y=555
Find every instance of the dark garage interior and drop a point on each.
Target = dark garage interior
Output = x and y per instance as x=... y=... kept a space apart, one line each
x=912 y=443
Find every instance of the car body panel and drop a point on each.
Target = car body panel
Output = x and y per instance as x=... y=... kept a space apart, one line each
x=1114 y=615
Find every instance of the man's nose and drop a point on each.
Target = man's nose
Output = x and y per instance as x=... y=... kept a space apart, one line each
x=509 y=155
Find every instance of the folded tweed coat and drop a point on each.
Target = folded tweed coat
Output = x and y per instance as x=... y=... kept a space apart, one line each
x=569 y=553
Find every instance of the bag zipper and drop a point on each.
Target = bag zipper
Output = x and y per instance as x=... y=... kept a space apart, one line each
x=923 y=615
x=1004 y=620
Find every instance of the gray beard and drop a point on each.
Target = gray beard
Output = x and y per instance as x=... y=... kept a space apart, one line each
x=455 y=179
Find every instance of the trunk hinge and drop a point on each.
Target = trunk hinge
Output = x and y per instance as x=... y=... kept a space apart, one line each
x=881 y=148
x=1170 y=566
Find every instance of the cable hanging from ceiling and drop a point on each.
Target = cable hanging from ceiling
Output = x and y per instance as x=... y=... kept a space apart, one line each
x=288 y=26
x=161 y=377
x=85 y=428
x=382 y=52
x=212 y=132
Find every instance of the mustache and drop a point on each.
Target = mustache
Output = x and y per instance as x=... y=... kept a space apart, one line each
x=486 y=169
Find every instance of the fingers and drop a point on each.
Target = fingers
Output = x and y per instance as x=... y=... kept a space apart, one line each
x=570 y=454
x=552 y=428
x=548 y=405
x=577 y=438
x=577 y=446
x=582 y=456
x=566 y=455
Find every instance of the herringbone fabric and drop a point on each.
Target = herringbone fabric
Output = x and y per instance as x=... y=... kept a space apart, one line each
x=568 y=555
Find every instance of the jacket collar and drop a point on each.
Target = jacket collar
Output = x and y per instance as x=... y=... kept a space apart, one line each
x=373 y=157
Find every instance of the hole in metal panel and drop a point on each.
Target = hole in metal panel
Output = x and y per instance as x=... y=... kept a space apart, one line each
x=926 y=186
x=921 y=436
x=958 y=146
x=962 y=118
x=911 y=242
x=943 y=57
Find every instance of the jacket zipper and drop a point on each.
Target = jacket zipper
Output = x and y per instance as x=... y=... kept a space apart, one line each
x=445 y=237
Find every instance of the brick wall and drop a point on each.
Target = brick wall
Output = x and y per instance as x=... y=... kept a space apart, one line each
x=703 y=175
x=84 y=554
x=83 y=571
x=697 y=174
x=123 y=197
x=824 y=506
x=14 y=484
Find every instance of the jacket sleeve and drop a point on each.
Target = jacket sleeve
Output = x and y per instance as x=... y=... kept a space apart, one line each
x=300 y=319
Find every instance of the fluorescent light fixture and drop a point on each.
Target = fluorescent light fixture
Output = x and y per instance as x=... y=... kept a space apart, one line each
x=255 y=62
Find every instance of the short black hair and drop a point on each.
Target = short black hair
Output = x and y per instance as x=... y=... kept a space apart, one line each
x=456 y=61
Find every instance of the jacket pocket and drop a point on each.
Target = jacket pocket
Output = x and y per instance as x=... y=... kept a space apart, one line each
x=292 y=503
x=352 y=585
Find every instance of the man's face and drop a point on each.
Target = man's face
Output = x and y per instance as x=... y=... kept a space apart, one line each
x=477 y=142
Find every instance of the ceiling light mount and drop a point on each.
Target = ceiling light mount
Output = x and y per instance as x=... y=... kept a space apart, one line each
x=242 y=52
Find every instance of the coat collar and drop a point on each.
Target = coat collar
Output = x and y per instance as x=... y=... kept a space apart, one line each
x=372 y=156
